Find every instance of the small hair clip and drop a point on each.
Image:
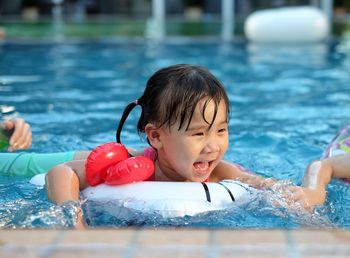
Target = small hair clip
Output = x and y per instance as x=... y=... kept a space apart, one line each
x=136 y=102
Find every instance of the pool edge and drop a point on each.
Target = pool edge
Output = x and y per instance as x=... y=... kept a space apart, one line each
x=174 y=242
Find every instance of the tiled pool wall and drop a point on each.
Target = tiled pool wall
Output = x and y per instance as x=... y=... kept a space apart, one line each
x=139 y=243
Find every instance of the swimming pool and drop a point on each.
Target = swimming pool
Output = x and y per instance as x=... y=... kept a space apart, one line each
x=286 y=104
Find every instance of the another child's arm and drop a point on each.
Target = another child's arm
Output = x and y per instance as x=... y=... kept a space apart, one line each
x=339 y=165
x=319 y=174
x=64 y=182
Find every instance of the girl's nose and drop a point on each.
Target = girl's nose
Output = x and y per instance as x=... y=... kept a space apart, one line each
x=212 y=145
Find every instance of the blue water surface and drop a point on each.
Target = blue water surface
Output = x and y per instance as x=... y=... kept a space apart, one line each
x=287 y=102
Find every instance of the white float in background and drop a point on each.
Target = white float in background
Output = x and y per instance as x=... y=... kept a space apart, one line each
x=287 y=25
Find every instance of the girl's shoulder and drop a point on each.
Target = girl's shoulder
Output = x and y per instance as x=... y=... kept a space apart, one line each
x=148 y=152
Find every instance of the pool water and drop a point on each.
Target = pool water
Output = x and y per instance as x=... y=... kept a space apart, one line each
x=287 y=102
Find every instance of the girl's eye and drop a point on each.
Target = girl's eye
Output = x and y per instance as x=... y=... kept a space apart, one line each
x=222 y=130
x=198 y=134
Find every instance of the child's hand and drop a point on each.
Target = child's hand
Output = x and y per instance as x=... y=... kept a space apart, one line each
x=21 y=137
x=259 y=182
x=309 y=198
x=80 y=221
x=297 y=196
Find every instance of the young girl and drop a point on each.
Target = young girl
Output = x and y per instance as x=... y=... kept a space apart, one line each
x=185 y=112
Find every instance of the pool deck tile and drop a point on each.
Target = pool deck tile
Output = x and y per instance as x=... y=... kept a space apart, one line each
x=313 y=243
x=174 y=242
x=120 y=237
x=27 y=237
x=164 y=237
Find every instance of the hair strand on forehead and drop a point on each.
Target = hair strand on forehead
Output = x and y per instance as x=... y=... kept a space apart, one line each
x=215 y=112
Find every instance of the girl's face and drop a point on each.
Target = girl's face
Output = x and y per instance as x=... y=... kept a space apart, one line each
x=192 y=154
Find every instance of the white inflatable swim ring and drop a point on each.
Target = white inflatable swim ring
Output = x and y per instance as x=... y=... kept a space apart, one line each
x=167 y=199
x=287 y=25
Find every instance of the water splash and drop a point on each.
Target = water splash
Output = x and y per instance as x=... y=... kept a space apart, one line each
x=53 y=216
x=280 y=202
x=26 y=206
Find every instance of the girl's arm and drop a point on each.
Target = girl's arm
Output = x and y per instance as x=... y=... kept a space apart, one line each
x=227 y=170
x=81 y=155
x=64 y=182
x=306 y=197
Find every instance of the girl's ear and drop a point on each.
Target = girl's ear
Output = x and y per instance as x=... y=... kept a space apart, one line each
x=153 y=135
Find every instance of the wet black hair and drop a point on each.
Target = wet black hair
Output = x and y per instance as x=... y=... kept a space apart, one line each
x=172 y=94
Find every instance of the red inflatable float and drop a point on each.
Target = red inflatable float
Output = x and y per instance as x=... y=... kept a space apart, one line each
x=111 y=163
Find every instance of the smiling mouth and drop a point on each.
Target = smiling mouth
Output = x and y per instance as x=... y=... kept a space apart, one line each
x=202 y=167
